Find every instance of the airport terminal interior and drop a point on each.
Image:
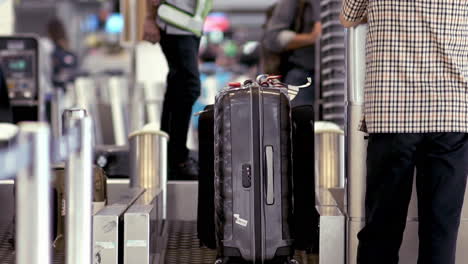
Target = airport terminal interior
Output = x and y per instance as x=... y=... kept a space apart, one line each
x=86 y=173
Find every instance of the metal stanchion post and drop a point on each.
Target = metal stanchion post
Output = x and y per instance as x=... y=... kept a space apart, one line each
x=148 y=160
x=356 y=151
x=56 y=111
x=33 y=198
x=163 y=172
x=79 y=195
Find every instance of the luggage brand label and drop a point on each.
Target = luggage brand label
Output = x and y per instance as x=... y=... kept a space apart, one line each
x=105 y=245
x=137 y=243
x=240 y=221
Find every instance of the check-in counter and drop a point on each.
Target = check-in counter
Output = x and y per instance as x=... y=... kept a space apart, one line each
x=143 y=229
x=108 y=229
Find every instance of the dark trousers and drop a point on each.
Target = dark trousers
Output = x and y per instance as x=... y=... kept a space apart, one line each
x=441 y=164
x=183 y=89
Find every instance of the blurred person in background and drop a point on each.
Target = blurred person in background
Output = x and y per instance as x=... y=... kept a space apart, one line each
x=7 y=17
x=292 y=29
x=105 y=54
x=249 y=60
x=289 y=45
x=228 y=55
x=180 y=43
x=213 y=78
x=64 y=61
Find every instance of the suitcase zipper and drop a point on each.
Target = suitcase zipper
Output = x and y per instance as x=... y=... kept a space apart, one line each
x=257 y=172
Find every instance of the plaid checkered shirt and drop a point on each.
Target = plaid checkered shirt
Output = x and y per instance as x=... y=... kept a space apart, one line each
x=417 y=64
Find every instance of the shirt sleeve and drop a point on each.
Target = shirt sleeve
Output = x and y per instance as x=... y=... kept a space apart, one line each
x=278 y=33
x=354 y=10
x=315 y=4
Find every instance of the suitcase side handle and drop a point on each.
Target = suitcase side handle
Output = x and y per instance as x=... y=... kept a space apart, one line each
x=269 y=175
x=294 y=90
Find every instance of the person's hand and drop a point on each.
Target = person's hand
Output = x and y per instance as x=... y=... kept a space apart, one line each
x=151 y=31
x=364 y=20
x=316 y=32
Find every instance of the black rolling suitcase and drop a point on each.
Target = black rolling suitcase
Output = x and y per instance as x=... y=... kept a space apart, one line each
x=205 y=212
x=253 y=169
x=306 y=217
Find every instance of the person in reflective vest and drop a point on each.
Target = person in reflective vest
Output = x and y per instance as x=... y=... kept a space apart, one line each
x=178 y=25
x=7 y=17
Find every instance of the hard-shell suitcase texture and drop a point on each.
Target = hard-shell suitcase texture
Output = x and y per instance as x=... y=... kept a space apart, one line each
x=306 y=217
x=205 y=213
x=253 y=183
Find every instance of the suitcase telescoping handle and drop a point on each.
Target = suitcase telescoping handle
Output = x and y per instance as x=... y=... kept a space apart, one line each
x=270 y=193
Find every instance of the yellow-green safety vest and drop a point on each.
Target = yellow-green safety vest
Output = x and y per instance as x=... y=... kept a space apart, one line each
x=184 y=20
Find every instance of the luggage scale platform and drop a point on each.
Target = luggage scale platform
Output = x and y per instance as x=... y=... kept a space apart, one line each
x=182 y=247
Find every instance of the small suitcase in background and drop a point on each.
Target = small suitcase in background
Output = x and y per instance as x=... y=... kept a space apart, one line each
x=99 y=202
x=100 y=189
x=205 y=212
x=114 y=160
x=253 y=174
x=306 y=217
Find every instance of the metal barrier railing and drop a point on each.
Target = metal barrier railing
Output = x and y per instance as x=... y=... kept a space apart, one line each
x=148 y=161
x=79 y=189
x=33 y=212
x=28 y=161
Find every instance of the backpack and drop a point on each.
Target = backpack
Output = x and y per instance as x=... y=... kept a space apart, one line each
x=273 y=62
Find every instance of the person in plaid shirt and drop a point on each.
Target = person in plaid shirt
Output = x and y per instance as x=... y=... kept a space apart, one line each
x=416 y=114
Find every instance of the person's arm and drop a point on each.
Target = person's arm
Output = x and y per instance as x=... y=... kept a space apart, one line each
x=152 y=8
x=305 y=39
x=353 y=12
x=278 y=33
x=150 y=28
x=308 y=39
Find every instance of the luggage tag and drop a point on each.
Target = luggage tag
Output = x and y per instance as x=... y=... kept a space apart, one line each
x=274 y=80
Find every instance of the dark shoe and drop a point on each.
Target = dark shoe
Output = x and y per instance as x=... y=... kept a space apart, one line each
x=186 y=171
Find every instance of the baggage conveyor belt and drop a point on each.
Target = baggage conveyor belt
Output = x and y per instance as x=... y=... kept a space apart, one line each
x=7 y=254
x=183 y=247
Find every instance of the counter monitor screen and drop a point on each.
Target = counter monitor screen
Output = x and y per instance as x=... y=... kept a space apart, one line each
x=18 y=60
